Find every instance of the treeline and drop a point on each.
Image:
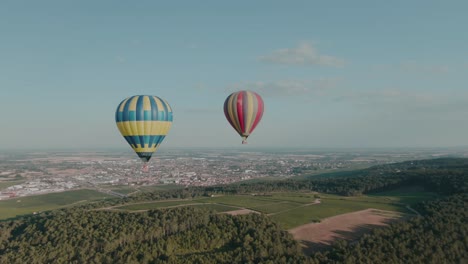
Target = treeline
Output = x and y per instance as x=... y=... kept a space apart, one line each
x=179 y=235
x=445 y=176
x=189 y=235
x=439 y=236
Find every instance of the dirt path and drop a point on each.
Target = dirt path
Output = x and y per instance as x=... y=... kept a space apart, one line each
x=269 y=204
x=412 y=210
x=350 y=226
x=241 y=212
x=317 y=201
x=147 y=202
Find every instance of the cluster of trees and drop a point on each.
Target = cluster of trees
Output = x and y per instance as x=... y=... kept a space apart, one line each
x=444 y=176
x=188 y=235
x=439 y=236
x=178 y=235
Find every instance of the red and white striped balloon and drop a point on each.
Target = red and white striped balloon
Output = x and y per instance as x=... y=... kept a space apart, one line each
x=244 y=110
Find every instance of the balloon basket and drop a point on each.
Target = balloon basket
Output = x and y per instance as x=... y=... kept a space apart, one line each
x=144 y=168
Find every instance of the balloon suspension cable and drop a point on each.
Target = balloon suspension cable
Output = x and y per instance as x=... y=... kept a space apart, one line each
x=144 y=168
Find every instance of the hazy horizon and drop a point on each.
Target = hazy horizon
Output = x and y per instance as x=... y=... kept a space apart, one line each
x=241 y=148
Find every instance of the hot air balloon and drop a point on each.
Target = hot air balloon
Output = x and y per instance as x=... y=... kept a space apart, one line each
x=144 y=121
x=244 y=110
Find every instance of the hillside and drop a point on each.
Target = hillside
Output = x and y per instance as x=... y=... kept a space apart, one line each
x=86 y=233
x=178 y=235
x=439 y=236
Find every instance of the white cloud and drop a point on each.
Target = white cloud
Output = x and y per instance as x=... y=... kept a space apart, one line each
x=287 y=87
x=304 y=54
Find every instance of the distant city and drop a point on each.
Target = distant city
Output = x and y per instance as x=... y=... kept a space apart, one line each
x=33 y=173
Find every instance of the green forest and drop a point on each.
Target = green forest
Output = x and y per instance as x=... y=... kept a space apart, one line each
x=83 y=234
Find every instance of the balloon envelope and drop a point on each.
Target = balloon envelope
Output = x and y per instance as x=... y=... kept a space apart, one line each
x=144 y=121
x=244 y=110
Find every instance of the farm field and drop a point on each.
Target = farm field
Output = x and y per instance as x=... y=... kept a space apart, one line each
x=350 y=226
x=122 y=189
x=27 y=205
x=277 y=207
x=327 y=208
x=157 y=205
x=295 y=209
x=289 y=209
x=216 y=207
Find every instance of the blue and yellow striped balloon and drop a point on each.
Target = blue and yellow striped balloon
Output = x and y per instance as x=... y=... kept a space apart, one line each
x=144 y=121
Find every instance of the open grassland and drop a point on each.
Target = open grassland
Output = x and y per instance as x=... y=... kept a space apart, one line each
x=27 y=205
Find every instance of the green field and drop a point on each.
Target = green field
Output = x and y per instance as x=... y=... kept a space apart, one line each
x=407 y=195
x=27 y=205
x=219 y=208
x=122 y=189
x=156 y=205
x=245 y=201
x=277 y=207
x=328 y=208
x=201 y=203
x=295 y=197
x=294 y=209
x=289 y=209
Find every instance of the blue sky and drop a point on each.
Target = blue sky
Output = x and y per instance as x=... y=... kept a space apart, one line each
x=332 y=73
